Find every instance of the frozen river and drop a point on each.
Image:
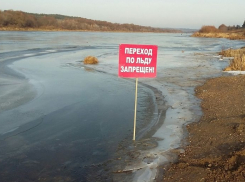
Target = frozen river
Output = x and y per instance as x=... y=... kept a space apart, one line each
x=63 y=121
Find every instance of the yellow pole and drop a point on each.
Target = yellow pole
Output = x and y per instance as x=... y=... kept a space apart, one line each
x=135 y=106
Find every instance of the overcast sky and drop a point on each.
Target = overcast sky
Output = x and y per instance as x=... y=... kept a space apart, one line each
x=156 y=13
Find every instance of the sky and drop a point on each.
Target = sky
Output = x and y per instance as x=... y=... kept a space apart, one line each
x=155 y=13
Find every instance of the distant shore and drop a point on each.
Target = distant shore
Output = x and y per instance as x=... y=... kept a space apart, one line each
x=65 y=30
x=23 y=21
x=228 y=35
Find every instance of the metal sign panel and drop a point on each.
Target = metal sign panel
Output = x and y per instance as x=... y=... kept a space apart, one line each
x=137 y=61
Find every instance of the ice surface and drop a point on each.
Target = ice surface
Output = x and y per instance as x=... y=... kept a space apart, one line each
x=178 y=75
x=183 y=63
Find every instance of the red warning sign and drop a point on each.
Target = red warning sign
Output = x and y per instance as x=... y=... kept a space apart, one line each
x=137 y=61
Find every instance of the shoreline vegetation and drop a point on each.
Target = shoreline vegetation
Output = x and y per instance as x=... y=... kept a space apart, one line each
x=22 y=21
x=223 y=31
x=238 y=61
x=233 y=33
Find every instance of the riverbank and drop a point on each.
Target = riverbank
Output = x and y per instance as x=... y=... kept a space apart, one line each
x=216 y=145
x=60 y=30
x=238 y=35
x=18 y=20
x=76 y=30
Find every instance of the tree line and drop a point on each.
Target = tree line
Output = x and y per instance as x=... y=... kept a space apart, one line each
x=222 y=28
x=10 y=19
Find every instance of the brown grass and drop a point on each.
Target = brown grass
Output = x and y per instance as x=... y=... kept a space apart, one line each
x=208 y=29
x=232 y=52
x=233 y=35
x=238 y=62
x=90 y=60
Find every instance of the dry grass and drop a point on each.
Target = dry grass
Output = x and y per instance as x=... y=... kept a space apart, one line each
x=238 y=62
x=90 y=60
x=208 y=29
x=232 y=52
x=233 y=35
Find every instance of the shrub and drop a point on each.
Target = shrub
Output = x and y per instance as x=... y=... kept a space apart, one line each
x=223 y=28
x=90 y=60
x=208 y=29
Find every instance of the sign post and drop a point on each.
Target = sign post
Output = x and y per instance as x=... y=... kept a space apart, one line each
x=135 y=106
x=137 y=61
